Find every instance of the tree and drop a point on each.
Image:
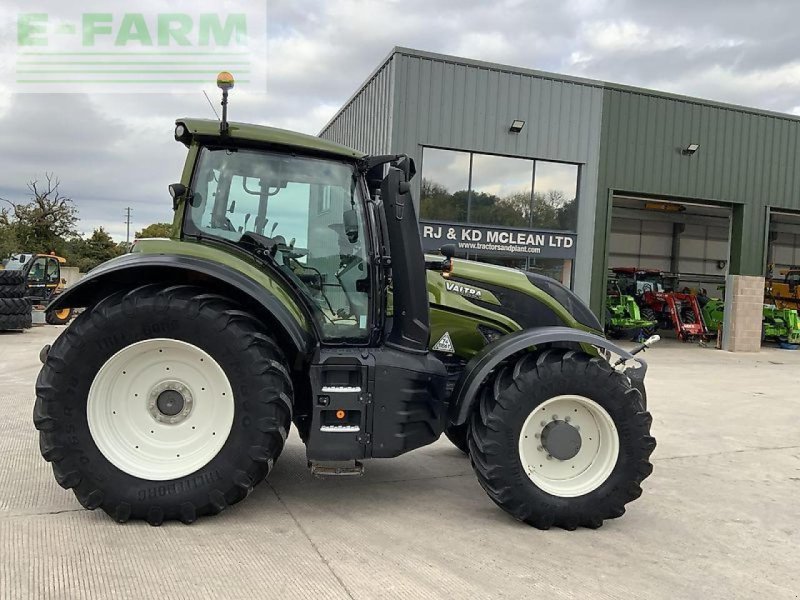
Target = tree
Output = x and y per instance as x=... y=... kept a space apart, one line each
x=155 y=230
x=86 y=254
x=8 y=235
x=47 y=220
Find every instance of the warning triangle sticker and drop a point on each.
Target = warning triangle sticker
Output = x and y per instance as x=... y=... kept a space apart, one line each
x=445 y=344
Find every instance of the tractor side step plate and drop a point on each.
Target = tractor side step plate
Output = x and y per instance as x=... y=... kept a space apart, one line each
x=337 y=469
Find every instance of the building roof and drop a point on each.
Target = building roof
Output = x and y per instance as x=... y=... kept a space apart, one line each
x=269 y=135
x=399 y=50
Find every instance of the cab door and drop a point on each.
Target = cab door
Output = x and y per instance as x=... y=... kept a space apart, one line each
x=44 y=277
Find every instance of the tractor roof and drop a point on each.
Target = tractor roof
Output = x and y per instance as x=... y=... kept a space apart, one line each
x=208 y=128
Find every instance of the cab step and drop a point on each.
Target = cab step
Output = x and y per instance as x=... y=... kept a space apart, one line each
x=345 y=468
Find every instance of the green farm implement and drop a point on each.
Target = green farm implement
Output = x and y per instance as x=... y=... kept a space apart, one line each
x=622 y=314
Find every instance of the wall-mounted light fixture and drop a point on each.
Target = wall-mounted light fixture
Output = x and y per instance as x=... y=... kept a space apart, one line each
x=516 y=125
x=691 y=149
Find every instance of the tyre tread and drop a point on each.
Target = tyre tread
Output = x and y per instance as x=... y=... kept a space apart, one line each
x=486 y=440
x=272 y=411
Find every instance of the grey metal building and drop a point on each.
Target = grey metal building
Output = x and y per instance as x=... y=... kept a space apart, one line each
x=572 y=176
x=420 y=103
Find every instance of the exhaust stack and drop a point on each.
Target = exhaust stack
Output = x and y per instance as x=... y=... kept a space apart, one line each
x=411 y=326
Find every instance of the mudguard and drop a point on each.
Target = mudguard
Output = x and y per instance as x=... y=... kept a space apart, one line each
x=137 y=269
x=478 y=368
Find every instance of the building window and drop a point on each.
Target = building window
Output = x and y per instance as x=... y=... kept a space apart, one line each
x=484 y=189
x=555 y=196
x=445 y=185
x=500 y=193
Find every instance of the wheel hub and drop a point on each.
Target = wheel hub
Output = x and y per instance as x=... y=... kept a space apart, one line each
x=170 y=402
x=561 y=440
x=568 y=445
x=160 y=409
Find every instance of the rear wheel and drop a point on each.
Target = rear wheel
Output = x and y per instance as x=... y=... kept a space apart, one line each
x=11 y=278
x=560 y=438
x=17 y=290
x=176 y=412
x=15 y=306
x=9 y=322
x=58 y=317
x=648 y=314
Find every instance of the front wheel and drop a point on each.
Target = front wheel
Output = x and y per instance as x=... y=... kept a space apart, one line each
x=648 y=314
x=561 y=438
x=58 y=317
x=163 y=403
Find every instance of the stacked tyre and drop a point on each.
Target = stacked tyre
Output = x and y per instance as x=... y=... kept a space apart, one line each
x=15 y=308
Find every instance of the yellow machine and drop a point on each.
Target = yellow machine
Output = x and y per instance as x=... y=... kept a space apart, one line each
x=43 y=281
x=784 y=291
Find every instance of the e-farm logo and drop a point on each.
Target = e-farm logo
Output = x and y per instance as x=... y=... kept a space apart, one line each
x=108 y=46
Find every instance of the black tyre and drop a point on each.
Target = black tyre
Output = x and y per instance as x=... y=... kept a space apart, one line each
x=688 y=317
x=15 y=306
x=11 y=278
x=13 y=291
x=229 y=405
x=648 y=314
x=599 y=411
x=8 y=322
x=457 y=434
x=615 y=333
x=58 y=317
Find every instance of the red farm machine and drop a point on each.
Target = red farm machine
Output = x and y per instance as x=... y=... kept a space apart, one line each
x=659 y=302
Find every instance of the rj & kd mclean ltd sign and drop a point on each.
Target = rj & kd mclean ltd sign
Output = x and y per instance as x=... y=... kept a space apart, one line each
x=497 y=241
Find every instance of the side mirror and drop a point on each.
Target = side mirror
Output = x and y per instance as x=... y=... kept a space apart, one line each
x=406 y=165
x=177 y=191
x=350 y=219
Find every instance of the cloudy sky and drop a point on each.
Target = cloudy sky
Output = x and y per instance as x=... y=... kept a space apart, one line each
x=116 y=150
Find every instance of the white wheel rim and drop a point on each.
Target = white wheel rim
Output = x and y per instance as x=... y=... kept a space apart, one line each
x=130 y=430
x=593 y=462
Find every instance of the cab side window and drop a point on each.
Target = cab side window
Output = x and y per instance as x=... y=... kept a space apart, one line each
x=38 y=272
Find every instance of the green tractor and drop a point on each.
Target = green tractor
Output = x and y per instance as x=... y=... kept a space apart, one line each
x=294 y=291
x=622 y=314
x=780 y=325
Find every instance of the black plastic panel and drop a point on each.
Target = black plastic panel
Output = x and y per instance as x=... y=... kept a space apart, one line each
x=394 y=399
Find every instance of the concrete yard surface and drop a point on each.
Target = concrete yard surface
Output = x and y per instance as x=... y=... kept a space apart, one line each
x=719 y=517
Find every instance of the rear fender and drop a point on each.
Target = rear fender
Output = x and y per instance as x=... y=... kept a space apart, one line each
x=465 y=394
x=132 y=270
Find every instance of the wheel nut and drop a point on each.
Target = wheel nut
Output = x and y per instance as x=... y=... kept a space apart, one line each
x=549 y=457
x=555 y=417
x=537 y=435
x=539 y=448
x=543 y=423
